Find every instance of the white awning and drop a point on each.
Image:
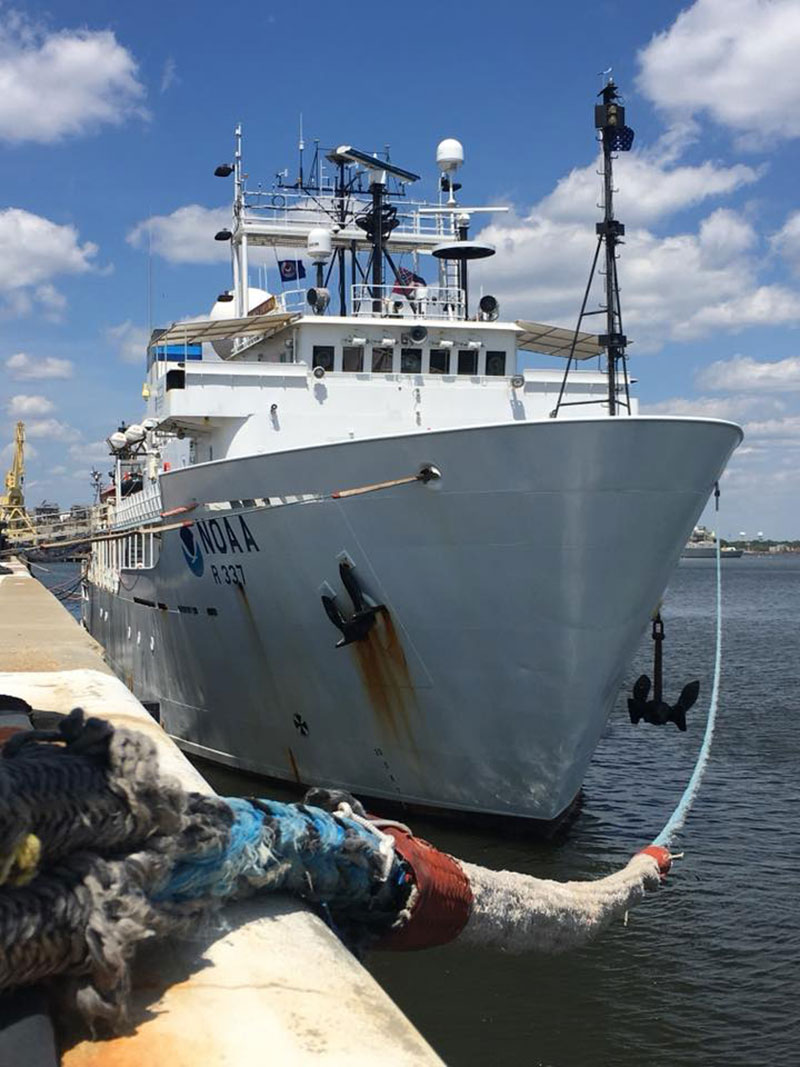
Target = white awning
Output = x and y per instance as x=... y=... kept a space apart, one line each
x=188 y=333
x=556 y=341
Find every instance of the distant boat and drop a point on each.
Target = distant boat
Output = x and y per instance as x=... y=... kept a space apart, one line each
x=703 y=545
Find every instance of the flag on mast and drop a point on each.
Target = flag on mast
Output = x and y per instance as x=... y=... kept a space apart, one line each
x=291 y=270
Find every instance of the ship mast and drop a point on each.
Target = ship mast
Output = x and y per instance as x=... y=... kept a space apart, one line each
x=615 y=137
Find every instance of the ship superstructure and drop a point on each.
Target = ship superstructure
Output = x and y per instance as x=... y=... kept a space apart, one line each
x=382 y=556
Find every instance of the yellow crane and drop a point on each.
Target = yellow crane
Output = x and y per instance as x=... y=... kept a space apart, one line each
x=12 y=502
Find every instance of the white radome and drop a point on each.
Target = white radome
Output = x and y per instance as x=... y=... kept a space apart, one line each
x=319 y=244
x=449 y=154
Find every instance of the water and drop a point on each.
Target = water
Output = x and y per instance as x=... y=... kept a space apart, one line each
x=61 y=578
x=706 y=972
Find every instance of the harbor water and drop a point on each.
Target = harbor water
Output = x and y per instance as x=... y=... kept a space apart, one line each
x=707 y=970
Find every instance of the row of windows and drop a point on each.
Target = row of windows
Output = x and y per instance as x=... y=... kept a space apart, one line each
x=388 y=360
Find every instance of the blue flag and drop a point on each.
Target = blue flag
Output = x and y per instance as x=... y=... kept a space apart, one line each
x=291 y=270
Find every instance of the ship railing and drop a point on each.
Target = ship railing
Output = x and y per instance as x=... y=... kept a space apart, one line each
x=144 y=506
x=298 y=210
x=293 y=301
x=407 y=302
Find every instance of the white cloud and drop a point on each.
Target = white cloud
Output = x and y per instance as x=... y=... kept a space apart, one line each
x=785 y=430
x=89 y=452
x=52 y=302
x=185 y=236
x=7 y=452
x=676 y=287
x=734 y=60
x=734 y=408
x=767 y=305
x=649 y=188
x=23 y=367
x=786 y=242
x=744 y=374
x=130 y=341
x=70 y=82
x=32 y=251
x=51 y=429
x=168 y=75
x=23 y=405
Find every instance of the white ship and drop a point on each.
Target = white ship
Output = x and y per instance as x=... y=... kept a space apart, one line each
x=702 y=544
x=391 y=560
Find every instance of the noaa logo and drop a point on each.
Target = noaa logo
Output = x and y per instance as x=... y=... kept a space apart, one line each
x=191 y=551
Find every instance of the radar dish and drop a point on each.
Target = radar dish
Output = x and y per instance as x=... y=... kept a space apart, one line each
x=463 y=250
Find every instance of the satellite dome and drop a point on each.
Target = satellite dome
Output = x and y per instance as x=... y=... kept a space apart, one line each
x=449 y=154
x=319 y=245
x=226 y=309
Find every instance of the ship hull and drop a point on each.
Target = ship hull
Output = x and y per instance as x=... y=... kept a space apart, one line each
x=514 y=591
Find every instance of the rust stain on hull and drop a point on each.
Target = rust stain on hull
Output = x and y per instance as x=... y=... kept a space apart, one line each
x=293 y=765
x=384 y=670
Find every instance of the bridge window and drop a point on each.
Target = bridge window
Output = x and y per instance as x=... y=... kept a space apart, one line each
x=352 y=358
x=323 y=357
x=467 y=361
x=382 y=360
x=496 y=363
x=440 y=360
x=410 y=360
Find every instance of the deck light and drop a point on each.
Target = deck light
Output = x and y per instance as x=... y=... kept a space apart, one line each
x=223 y=235
x=224 y=298
x=489 y=308
x=224 y=170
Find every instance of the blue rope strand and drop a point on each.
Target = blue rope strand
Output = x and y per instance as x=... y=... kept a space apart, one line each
x=335 y=863
x=678 y=817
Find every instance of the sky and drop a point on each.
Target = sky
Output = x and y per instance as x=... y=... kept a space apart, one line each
x=113 y=117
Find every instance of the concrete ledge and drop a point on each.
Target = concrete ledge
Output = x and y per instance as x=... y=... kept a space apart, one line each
x=270 y=983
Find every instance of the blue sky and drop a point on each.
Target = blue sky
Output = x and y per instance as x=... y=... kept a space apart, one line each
x=112 y=118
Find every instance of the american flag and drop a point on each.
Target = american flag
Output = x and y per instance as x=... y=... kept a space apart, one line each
x=407 y=281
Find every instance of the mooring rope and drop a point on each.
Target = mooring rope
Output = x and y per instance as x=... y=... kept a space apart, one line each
x=676 y=820
x=99 y=851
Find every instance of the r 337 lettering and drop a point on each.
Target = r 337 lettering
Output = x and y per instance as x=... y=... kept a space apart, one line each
x=228 y=574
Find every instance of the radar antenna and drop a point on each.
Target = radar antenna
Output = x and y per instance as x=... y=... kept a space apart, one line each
x=615 y=136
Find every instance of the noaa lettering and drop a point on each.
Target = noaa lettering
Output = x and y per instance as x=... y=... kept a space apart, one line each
x=221 y=537
x=249 y=540
x=205 y=537
x=235 y=546
x=216 y=533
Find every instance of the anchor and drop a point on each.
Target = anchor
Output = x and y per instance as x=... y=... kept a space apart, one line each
x=656 y=711
x=362 y=620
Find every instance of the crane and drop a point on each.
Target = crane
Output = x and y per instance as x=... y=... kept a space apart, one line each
x=12 y=502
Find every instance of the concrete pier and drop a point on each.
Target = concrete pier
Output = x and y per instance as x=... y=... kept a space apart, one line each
x=271 y=984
